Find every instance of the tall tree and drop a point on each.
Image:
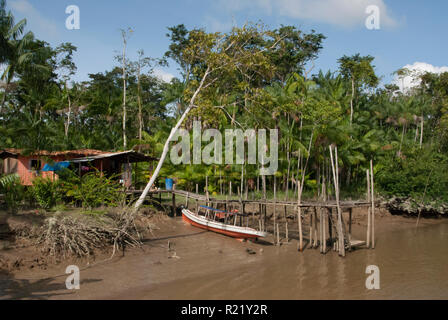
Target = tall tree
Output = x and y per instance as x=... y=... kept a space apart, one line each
x=360 y=72
x=125 y=34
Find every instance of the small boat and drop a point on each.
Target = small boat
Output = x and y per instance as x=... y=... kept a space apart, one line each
x=215 y=220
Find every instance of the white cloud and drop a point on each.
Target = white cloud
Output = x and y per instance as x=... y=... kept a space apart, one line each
x=35 y=20
x=163 y=75
x=418 y=68
x=215 y=25
x=346 y=13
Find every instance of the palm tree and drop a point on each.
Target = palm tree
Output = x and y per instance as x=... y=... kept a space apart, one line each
x=16 y=53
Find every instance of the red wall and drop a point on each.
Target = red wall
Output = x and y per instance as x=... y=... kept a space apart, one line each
x=27 y=175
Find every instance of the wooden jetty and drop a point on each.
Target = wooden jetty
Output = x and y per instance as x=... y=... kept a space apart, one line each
x=328 y=228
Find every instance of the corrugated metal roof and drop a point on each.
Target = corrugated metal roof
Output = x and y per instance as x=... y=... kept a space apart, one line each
x=123 y=156
x=76 y=153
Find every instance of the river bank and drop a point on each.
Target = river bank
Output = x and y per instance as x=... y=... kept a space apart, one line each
x=182 y=262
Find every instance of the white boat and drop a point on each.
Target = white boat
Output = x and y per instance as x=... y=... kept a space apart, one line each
x=234 y=231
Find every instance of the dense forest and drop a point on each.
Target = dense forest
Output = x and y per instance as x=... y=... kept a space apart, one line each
x=253 y=76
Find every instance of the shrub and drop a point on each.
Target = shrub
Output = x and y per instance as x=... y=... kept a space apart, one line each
x=46 y=192
x=94 y=189
x=421 y=174
x=13 y=191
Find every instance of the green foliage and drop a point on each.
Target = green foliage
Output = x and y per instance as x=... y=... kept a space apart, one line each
x=47 y=193
x=94 y=189
x=257 y=77
x=421 y=174
x=13 y=191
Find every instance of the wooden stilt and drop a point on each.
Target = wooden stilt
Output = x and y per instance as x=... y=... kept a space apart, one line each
x=311 y=230
x=369 y=219
x=330 y=226
x=335 y=169
x=278 y=235
x=316 y=235
x=373 y=203
x=350 y=229
x=321 y=225
x=173 y=209
x=324 y=235
x=275 y=208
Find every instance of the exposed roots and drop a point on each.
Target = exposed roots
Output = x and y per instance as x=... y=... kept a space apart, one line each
x=69 y=236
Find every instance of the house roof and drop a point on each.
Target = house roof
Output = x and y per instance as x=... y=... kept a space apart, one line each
x=130 y=156
x=14 y=153
x=81 y=155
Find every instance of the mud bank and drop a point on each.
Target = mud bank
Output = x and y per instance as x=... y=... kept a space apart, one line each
x=181 y=262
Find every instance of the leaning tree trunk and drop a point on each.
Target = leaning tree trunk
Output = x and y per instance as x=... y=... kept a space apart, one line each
x=167 y=143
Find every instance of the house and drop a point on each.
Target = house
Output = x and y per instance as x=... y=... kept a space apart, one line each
x=29 y=165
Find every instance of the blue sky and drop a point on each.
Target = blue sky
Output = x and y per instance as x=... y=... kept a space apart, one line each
x=412 y=32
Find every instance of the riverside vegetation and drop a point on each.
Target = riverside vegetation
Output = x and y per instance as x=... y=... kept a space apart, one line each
x=256 y=77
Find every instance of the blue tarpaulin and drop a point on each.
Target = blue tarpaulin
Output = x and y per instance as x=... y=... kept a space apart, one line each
x=57 y=166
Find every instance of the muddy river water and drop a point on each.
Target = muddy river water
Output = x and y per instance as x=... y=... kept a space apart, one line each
x=413 y=264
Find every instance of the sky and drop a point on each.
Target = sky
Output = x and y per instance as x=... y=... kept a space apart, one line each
x=412 y=33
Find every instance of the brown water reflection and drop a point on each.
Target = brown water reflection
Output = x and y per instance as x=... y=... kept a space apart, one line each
x=413 y=265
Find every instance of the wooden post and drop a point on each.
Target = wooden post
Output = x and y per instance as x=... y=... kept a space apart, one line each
x=197 y=188
x=373 y=203
x=278 y=235
x=330 y=226
x=350 y=229
x=299 y=218
x=286 y=232
x=173 y=210
x=335 y=169
x=316 y=237
x=324 y=231
x=186 y=201
x=311 y=230
x=220 y=182
x=264 y=217
x=321 y=228
x=230 y=188
x=368 y=210
x=275 y=206
x=206 y=190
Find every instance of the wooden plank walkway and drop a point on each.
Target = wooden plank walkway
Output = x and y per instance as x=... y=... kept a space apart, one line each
x=304 y=204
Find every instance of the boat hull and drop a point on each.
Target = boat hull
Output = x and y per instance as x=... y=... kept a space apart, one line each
x=218 y=227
